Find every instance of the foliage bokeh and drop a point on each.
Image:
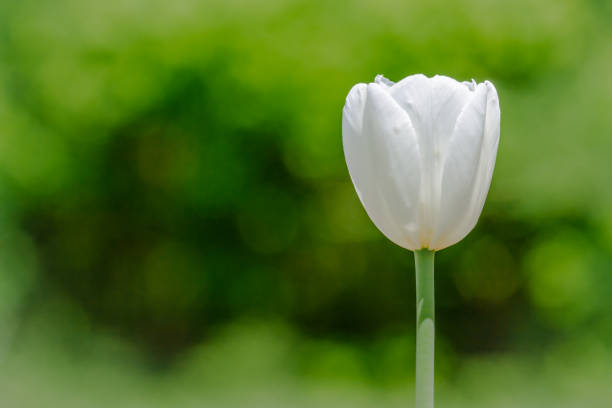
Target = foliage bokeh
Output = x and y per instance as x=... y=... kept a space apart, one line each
x=171 y=172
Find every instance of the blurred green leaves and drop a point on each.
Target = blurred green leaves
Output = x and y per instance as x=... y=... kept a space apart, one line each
x=172 y=169
x=175 y=165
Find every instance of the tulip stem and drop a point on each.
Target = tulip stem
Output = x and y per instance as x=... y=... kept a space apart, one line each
x=424 y=261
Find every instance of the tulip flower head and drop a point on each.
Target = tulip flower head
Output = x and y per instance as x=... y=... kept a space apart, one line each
x=421 y=154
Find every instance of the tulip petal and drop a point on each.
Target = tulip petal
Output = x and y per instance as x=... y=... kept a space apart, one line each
x=468 y=167
x=488 y=156
x=383 y=160
x=433 y=105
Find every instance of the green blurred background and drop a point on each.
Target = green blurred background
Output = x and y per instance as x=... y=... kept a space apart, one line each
x=178 y=227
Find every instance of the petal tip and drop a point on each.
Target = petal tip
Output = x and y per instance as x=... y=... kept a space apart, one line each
x=356 y=96
x=382 y=80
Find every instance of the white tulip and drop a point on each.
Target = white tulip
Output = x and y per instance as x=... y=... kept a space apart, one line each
x=421 y=154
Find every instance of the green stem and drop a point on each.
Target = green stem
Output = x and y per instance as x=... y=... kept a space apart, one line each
x=424 y=261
